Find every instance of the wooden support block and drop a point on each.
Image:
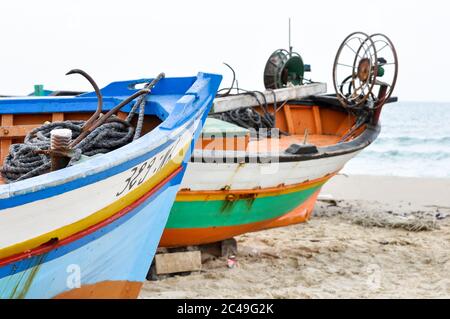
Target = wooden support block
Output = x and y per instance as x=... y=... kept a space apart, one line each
x=186 y=261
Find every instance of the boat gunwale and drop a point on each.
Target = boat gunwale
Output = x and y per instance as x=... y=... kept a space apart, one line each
x=261 y=192
x=363 y=140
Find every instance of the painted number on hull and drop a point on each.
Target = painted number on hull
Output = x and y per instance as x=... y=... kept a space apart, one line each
x=140 y=173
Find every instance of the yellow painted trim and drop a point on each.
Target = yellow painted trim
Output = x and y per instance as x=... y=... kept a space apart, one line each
x=99 y=216
x=192 y=196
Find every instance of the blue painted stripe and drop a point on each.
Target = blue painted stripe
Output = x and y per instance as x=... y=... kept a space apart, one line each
x=51 y=105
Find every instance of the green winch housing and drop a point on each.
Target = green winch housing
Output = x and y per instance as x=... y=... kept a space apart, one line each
x=284 y=68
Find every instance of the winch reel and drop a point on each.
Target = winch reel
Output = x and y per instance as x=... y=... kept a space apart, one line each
x=284 y=68
x=365 y=69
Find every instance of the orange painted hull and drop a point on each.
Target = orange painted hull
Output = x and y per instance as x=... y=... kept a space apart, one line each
x=173 y=237
x=299 y=215
x=104 y=290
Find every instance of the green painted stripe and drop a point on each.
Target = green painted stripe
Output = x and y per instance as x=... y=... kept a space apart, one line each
x=219 y=213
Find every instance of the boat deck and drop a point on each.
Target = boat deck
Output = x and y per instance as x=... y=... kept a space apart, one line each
x=281 y=144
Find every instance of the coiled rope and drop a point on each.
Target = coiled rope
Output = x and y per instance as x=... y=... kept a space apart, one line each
x=26 y=160
x=248 y=118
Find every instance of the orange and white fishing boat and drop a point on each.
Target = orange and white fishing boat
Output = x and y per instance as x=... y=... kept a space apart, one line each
x=264 y=156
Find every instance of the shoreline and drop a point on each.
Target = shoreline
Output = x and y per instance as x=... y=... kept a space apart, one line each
x=390 y=189
x=369 y=237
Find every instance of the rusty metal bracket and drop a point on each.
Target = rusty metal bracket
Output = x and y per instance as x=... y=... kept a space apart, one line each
x=97 y=113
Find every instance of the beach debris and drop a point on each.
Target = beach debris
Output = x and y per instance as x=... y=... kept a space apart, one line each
x=396 y=242
x=232 y=262
x=375 y=214
x=327 y=198
x=268 y=254
x=441 y=216
x=412 y=222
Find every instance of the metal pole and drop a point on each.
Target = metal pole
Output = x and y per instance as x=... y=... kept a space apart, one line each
x=290 y=47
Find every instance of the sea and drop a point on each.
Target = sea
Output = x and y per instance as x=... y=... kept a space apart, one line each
x=414 y=142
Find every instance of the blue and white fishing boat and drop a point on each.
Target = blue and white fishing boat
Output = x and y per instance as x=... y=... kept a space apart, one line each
x=83 y=223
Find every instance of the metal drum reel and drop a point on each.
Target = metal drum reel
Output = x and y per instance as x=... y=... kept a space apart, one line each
x=284 y=68
x=365 y=69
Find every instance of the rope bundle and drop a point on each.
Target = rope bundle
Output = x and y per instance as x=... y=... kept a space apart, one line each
x=24 y=161
x=248 y=118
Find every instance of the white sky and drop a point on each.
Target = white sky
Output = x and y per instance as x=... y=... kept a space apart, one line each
x=119 y=40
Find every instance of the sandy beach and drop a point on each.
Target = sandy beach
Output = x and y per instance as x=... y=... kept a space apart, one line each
x=369 y=237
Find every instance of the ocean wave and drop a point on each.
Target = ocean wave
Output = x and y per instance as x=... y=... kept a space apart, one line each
x=412 y=140
x=437 y=156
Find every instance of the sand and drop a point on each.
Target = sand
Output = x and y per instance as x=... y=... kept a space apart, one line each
x=370 y=237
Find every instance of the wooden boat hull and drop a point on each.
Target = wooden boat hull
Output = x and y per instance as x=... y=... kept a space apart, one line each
x=91 y=230
x=255 y=202
x=228 y=219
x=298 y=215
x=104 y=256
x=238 y=181
x=235 y=184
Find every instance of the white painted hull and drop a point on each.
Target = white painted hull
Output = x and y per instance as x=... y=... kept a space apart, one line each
x=28 y=221
x=213 y=176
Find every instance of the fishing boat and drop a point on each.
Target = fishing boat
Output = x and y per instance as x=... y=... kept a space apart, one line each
x=78 y=221
x=240 y=180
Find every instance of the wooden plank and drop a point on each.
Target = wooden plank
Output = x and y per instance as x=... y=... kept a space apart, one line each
x=57 y=117
x=8 y=132
x=7 y=120
x=345 y=126
x=289 y=120
x=317 y=120
x=178 y=262
x=122 y=115
x=228 y=103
